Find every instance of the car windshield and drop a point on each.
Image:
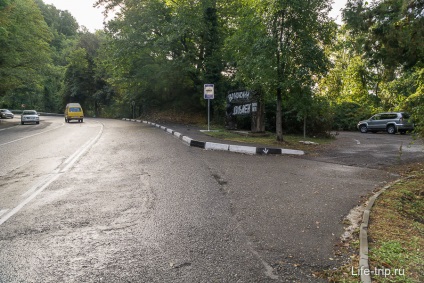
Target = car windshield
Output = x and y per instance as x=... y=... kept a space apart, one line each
x=74 y=109
x=30 y=113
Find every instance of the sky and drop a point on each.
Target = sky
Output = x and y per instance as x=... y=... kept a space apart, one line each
x=92 y=18
x=83 y=11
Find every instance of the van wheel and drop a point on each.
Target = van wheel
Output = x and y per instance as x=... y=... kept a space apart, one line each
x=391 y=129
x=363 y=128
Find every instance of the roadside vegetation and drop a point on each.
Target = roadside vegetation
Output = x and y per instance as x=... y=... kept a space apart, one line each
x=395 y=235
x=156 y=55
x=310 y=74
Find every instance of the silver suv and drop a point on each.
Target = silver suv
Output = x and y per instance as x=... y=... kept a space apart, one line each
x=391 y=122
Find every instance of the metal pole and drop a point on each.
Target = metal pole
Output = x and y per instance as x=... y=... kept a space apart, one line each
x=209 y=114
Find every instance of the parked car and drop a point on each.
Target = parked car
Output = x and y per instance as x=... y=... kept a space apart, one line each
x=391 y=122
x=30 y=116
x=5 y=114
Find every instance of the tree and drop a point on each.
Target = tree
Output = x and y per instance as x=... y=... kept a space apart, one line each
x=392 y=35
x=164 y=51
x=392 y=32
x=24 y=47
x=279 y=43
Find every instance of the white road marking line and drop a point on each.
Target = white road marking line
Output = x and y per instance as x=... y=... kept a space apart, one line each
x=51 y=178
x=3 y=211
x=357 y=141
x=7 y=128
x=36 y=186
x=28 y=199
x=74 y=157
x=31 y=135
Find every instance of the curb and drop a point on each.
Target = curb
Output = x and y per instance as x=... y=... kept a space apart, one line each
x=220 y=146
x=363 y=234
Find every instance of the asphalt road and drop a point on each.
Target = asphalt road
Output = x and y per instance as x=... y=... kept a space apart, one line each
x=113 y=201
x=373 y=150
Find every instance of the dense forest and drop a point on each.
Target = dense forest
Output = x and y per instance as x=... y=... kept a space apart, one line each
x=304 y=68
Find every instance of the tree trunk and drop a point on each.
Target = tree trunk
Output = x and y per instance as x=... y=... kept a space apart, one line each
x=279 y=116
x=304 y=126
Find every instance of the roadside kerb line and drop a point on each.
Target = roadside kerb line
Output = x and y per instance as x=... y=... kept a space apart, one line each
x=217 y=146
x=224 y=147
x=363 y=233
x=187 y=140
x=242 y=149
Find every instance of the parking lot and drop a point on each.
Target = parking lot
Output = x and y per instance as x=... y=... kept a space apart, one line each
x=372 y=150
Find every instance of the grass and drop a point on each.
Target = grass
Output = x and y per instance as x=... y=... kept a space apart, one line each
x=290 y=141
x=395 y=235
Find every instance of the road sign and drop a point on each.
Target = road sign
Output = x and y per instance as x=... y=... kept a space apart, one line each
x=209 y=91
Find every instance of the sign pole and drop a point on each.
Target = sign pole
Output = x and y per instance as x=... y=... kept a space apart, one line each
x=209 y=113
x=209 y=93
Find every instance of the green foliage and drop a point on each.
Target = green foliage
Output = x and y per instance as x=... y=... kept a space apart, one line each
x=376 y=61
x=348 y=114
x=162 y=52
x=393 y=32
x=24 y=47
x=159 y=53
x=86 y=75
x=415 y=102
x=278 y=47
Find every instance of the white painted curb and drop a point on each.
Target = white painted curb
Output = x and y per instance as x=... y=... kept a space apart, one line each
x=242 y=149
x=187 y=140
x=292 y=151
x=220 y=146
x=216 y=146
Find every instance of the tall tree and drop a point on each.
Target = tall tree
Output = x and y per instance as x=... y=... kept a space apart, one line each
x=392 y=32
x=163 y=51
x=282 y=42
x=24 y=47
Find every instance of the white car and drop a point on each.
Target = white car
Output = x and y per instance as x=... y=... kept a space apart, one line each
x=4 y=113
x=30 y=116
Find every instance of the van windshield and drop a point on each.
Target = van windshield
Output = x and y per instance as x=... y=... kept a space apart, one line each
x=74 y=109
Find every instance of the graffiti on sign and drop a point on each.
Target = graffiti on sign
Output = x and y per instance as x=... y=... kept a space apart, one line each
x=241 y=103
x=245 y=109
x=244 y=103
x=239 y=96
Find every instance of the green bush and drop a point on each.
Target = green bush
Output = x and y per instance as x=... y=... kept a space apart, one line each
x=348 y=114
